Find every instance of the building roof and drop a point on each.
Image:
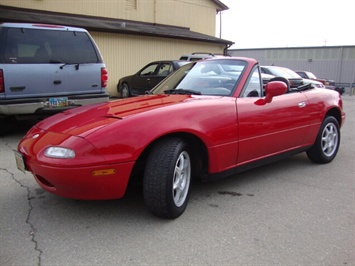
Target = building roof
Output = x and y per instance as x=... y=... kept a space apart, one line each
x=220 y=5
x=101 y=24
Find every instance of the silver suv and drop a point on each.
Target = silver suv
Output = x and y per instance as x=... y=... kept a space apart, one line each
x=45 y=69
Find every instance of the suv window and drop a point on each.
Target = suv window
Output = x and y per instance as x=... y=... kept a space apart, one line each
x=28 y=46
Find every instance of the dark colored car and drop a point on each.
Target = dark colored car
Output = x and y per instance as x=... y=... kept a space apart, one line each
x=207 y=120
x=329 y=84
x=146 y=78
x=310 y=75
x=294 y=79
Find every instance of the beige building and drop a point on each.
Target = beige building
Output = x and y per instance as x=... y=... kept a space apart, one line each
x=130 y=33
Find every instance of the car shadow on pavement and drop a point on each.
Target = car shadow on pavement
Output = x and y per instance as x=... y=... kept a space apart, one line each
x=12 y=126
x=131 y=207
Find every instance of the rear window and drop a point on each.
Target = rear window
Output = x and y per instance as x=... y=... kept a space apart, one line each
x=28 y=46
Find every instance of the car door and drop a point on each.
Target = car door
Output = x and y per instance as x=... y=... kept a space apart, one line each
x=150 y=76
x=274 y=127
x=164 y=70
x=141 y=80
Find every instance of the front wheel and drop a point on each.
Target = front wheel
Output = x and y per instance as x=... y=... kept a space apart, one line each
x=167 y=178
x=327 y=143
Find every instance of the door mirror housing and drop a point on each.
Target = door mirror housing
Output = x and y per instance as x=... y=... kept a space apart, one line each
x=272 y=89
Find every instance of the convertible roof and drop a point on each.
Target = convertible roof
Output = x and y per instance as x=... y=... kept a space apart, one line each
x=101 y=24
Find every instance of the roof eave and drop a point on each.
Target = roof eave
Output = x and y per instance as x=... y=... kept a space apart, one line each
x=13 y=14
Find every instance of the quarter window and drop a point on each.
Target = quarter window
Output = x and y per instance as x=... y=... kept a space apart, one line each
x=253 y=87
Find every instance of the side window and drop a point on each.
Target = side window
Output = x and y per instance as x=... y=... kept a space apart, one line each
x=149 y=70
x=253 y=87
x=303 y=75
x=165 y=69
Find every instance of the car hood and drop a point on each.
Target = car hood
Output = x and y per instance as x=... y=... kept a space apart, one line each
x=85 y=120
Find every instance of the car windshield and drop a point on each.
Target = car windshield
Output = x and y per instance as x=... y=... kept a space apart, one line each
x=208 y=77
x=311 y=75
x=284 y=72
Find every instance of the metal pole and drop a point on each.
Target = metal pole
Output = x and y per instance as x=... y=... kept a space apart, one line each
x=220 y=24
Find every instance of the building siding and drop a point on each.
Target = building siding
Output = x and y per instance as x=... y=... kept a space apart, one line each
x=198 y=15
x=333 y=62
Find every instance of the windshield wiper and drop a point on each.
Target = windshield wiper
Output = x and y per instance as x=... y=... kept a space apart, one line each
x=182 y=91
x=67 y=64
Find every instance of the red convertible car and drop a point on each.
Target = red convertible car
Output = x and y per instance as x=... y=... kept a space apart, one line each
x=207 y=120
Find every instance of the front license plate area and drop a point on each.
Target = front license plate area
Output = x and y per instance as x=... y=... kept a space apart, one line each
x=20 y=162
x=58 y=102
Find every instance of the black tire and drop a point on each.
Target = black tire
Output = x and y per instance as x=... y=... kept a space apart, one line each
x=125 y=90
x=2 y=126
x=167 y=178
x=327 y=143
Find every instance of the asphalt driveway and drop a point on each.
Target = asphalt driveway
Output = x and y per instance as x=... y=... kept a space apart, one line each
x=292 y=212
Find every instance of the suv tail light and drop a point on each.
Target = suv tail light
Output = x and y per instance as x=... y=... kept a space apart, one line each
x=2 y=84
x=104 y=77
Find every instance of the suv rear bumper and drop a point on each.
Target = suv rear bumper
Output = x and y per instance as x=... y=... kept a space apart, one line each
x=41 y=105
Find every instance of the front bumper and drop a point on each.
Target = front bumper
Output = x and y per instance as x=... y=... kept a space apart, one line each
x=80 y=183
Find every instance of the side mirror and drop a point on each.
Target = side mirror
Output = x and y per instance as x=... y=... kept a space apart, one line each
x=272 y=89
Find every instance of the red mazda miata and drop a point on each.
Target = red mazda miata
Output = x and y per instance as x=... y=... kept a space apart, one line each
x=207 y=120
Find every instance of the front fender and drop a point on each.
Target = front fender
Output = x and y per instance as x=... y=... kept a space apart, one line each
x=213 y=122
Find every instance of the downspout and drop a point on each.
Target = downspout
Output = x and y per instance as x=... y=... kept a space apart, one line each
x=220 y=23
x=155 y=11
x=225 y=50
x=341 y=65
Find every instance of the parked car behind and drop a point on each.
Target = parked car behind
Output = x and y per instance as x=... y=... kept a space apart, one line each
x=329 y=84
x=294 y=79
x=309 y=75
x=146 y=78
x=45 y=69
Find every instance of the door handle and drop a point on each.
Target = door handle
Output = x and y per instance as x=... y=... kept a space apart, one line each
x=302 y=104
x=57 y=82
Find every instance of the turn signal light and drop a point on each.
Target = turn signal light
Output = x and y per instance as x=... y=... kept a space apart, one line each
x=104 y=172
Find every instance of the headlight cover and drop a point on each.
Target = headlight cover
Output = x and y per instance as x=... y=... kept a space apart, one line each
x=59 y=152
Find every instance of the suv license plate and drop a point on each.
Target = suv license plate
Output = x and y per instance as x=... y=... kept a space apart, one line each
x=20 y=161
x=58 y=102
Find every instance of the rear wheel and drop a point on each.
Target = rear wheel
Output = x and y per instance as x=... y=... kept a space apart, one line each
x=125 y=91
x=167 y=178
x=327 y=143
